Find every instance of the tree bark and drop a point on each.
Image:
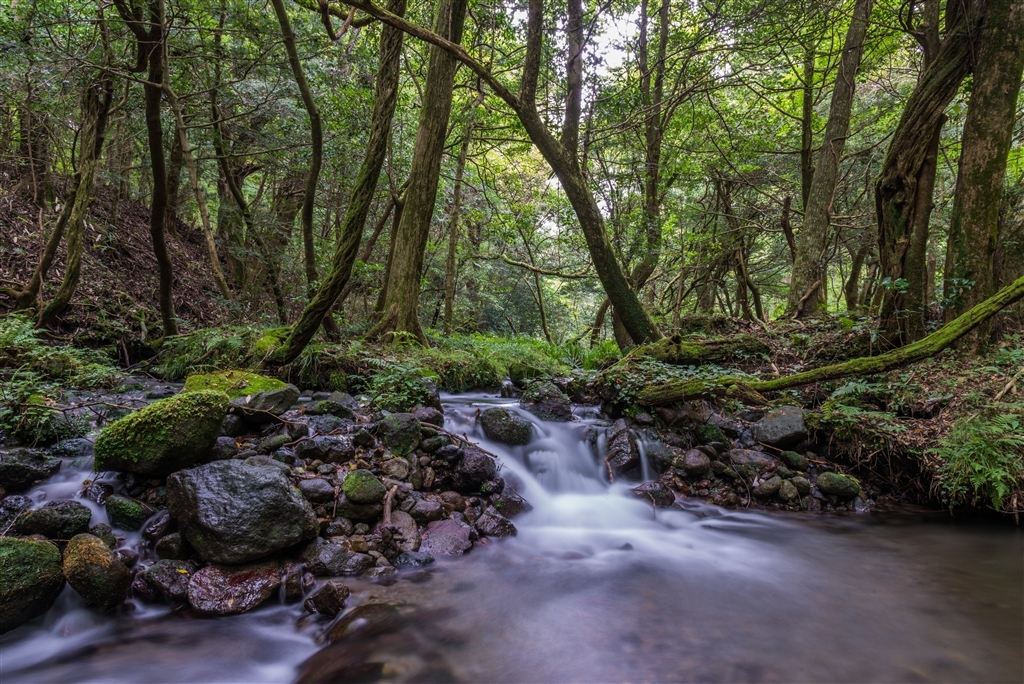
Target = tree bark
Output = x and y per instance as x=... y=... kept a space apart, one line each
x=401 y=307
x=95 y=108
x=810 y=267
x=988 y=130
x=174 y=185
x=453 y=222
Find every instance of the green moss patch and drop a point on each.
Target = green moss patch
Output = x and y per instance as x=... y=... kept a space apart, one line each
x=234 y=383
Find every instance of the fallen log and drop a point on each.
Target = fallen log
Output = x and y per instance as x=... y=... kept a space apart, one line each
x=696 y=351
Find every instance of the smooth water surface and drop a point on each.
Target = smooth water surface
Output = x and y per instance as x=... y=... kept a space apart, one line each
x=598 y=586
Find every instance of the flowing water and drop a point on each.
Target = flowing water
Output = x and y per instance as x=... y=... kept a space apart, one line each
x=598 y=586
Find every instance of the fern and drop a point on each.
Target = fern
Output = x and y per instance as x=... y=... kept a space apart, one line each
x=982 y=458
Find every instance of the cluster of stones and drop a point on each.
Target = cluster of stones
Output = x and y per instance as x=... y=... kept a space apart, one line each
x=730 y=461
x=241 y=499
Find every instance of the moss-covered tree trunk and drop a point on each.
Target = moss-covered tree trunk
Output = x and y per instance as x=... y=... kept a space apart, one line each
x=95 y=108
x=988 y=130
x=401 y=307
x=808 y=280
x=904 y=189
x=174 y=184
x=385 y=98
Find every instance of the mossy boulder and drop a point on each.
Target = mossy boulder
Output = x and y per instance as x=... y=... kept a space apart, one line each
x=400 y=432
x=165 y=436
x=30 y=580
x=126 y=513
x=839 y=486
x=503 y=426
x=95 y=572
x=19 y=468
x=547 y=402
x=794 y=460
x=234 y=383
x=709 y=434
x=56 y=520
x=363 y=487
x=330 y=407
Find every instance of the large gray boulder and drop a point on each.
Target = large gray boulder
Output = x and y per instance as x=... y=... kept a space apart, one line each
x=783 y=427
x=503 y=426
x=30 y=580
x=231 y=512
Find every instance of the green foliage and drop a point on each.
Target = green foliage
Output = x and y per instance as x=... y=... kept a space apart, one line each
x=399 y=386
x=25 y=356
x=982 y=460
x=234 y=383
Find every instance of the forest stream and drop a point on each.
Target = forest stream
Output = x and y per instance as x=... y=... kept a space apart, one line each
x=597 y=586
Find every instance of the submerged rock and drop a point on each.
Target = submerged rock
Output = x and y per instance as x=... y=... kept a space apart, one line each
x=547 y=402
x=328 y=600
x=95 y=572
x=165 y=436
x=223 y=590
x=231 y=512
x=503 y=426
x=782 y=427
x=30 y=580
x=56 y=520
x=20 y=468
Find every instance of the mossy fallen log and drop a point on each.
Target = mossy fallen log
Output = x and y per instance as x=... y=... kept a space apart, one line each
x=696 y=351
x=679 y=390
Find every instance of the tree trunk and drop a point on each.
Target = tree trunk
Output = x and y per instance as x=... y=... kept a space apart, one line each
x=806 y=131
x=453 y=222
x=903 y=192
x=95 y=108
x=988 y=130
x=174 y=185
x=851 y=290
x=385 y=98
x=810 y=268
x=401 y=307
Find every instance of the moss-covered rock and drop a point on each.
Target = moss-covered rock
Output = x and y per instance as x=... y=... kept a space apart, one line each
x=234 y=383
x=55 y=520
x=93 y=570
x=19 y=468
x=165 y=436
x=127 y=514
x=708 y=434
x=363 y=487
x=547 y=402
x=840 y=486
x=503 y=426
x=400 y=432
x=30 y=580
x=330 y=407
x=794 y=460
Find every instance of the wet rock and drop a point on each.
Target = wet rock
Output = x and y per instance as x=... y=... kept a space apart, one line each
x=475 y=468
x=623 y=453
x=366 y=620
x=656 y=494
x=411 y=559
x=161 y=524
x=503 y=426
x=802 y=484
x=169 y=579
x=327 y=448
x=126 y=556
x=406 y=533
x=494 y=524
x=127 y=514
x=428 y=414
x=296 y=581
x=325 y=424
x=729 y=427
x=400 y=432
x=173 y=547
x=756 y=460
x=508 y=390
x=10 y=508
x=56 y=520
x=77 y=447
x=265 y=461
x=547 y=402
x=161 y=392
x=104 y=532
x=510 y=504
x=362 y=438
x=93 y=570
x=30 y=580
x=694 y=463
x=707 y=434
x=839 y=486
x=660 y=455
x=273 y=443
x=97 y=492
x=330 y=407
x=788 y=491
x=327 y=558
x=233 y=426
x=20 y=468
x=165 y=436
x=447 y=538
x=317 y=490
x=395 y=468
x=363 y=487
x=328 y=600
x=233 y=513
x=769 y=487
x=354 y=511
x=781 y=427
x=794 y=460
x=224 y=590
x=425 y=508
x=274 y=401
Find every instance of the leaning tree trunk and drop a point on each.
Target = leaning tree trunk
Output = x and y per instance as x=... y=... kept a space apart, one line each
x=401 y=308
x=904 y=189
x=385 y=98
x=810 y=268
x=988 y=130
x=95 y=108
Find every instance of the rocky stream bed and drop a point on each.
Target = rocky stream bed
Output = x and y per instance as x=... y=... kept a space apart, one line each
x=328 y=541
